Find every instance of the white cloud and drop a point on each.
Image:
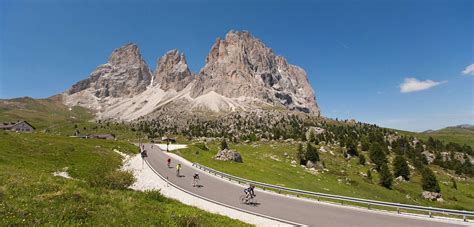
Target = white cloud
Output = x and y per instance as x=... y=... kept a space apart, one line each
x=469 y=70
x=413 y=84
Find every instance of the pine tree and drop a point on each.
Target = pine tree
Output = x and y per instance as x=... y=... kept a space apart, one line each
x=365 y=145
x=377 y=155
x=224 y=144
x=400 y=167
x=455 y=186
x=312 y=137
x=352 y=150
x=362 y=159
x=311 y=153
x=301 y=155
x=386 y=178
x=429 y=181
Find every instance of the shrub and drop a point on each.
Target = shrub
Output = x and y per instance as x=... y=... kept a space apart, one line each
x=253 y=137
x=400 y=167
x=114 y=180
x=429 y=181
x=386 y=178
x=188 y=220
x=369 y=174
x=202 y=146
x=362 y=160
x=2 y=193
x=155 y=195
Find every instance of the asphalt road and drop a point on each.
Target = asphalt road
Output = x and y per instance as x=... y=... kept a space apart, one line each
x=282 y=207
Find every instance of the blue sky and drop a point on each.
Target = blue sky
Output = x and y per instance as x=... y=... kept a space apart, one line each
x=356 y=53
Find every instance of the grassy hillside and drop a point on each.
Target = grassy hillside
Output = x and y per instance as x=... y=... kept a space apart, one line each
x=450 y=134
x=42 y=113
x=52 y=116
x=266 y=162
x=31 y=195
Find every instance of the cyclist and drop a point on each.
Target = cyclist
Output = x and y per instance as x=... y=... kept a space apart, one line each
x=195 y=179
x=249 y=193
x=169 y=162
x=144 y=154
x=178 y=168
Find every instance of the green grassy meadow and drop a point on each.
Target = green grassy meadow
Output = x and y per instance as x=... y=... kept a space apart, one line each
x=97 y=194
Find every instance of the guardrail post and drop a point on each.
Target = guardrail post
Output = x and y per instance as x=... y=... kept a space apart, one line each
x=431 y=215
x=464 y=218
x=342 y=202
x=398 y=210
x=319 y=198
x=368 y=206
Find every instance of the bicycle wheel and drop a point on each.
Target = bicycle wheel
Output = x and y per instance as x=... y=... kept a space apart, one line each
x=243 y=199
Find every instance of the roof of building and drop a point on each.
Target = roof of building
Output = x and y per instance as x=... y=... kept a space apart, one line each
x=9 y=125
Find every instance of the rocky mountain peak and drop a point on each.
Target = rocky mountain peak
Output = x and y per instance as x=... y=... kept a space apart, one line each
x=242 y=66
x=172 y=71
x=125 y=74
x=129 y=54
x=240 y=74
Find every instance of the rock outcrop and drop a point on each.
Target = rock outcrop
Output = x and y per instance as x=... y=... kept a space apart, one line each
x=125 y=74
x=172 y=71
x=242 y=66
x=433 y=196
x=228 y=155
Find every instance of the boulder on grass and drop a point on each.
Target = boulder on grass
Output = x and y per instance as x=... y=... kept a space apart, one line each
x=315 y=165
x=228 y=155
x=433 y=196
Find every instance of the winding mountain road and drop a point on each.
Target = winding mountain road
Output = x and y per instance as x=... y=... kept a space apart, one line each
x=303 y=211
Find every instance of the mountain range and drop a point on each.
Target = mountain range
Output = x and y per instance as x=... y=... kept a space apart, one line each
x=240 y=74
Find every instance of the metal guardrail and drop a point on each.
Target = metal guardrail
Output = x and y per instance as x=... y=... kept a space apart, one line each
x=369 y=202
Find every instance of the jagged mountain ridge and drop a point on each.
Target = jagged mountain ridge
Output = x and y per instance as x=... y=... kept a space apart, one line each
x=240 y=74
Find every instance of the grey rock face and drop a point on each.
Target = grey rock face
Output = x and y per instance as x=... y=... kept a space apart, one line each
x=240 y=74
x=241 y=65
x=172 y=71
x=124 y=75
x=228 y=155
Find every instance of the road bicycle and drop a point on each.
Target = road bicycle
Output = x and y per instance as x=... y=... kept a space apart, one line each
x=247 y=199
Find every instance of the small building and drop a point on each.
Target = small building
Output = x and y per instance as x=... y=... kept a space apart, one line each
x=19 y=126
x=168 y=139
